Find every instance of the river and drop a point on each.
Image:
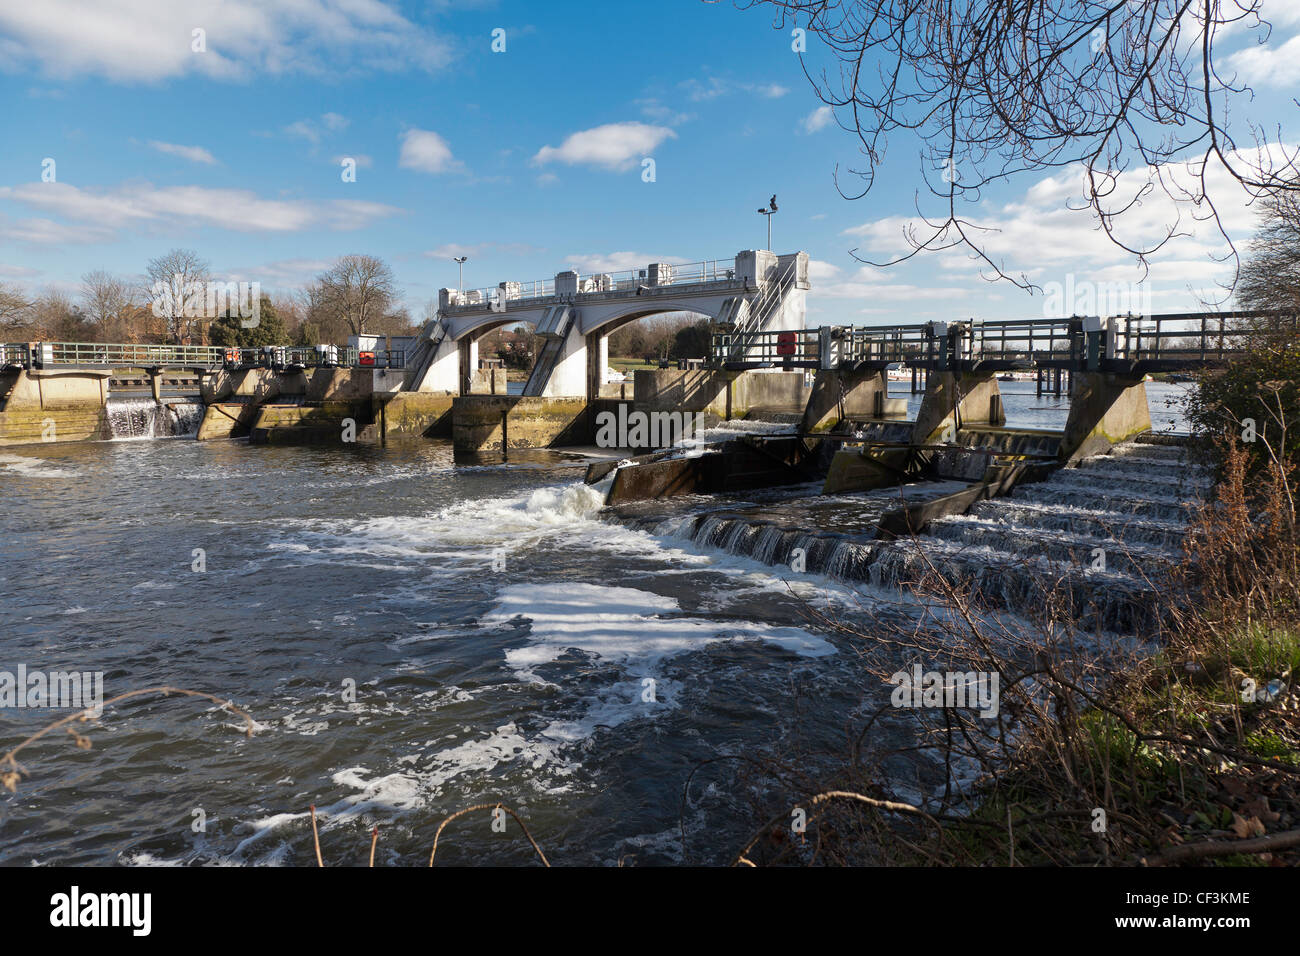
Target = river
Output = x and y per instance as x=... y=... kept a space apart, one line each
x=504 y=640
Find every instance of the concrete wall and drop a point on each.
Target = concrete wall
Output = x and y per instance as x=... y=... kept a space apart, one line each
x=53 y=405
x=725 y=394
x=259 y=384
x=488 y=381
x=226 y=420
x=416 y=415
x=530 y=422
x=324 y=423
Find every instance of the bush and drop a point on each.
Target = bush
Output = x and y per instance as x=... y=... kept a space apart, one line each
x=1263 y=386
x=228 y=330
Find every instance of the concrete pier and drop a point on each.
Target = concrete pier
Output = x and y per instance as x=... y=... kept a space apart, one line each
x=956 y=399
x=1105 y=409
x=53 y=405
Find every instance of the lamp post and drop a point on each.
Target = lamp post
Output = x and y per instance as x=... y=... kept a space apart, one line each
x=769 y=212
x=460 y=269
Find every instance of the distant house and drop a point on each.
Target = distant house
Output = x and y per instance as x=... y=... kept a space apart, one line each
x=379 y=343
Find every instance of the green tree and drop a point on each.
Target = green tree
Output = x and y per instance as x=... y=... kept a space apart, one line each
x=691 y=341
x=228 y=330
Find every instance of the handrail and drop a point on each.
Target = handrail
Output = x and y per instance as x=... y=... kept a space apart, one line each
x=1172 y=338
x=128 y=355
x=772 y=294
x=628 y=280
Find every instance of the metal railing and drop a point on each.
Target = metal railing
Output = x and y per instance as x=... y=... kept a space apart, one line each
x=798 y=348
x=769 y=299
x=115 y=355
x=1165 y=341
x=125 y=356
x=14 y=356
x=1027 y=340
x=887 y=344
x=629 y=280
x=1194 y=337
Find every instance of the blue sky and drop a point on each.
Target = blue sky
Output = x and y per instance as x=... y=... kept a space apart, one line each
x=528 y=160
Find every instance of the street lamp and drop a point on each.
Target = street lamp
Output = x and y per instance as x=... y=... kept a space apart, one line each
x=460 y=269
x=769 y=212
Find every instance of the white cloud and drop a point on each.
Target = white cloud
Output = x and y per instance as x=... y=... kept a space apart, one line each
x=819 y=118
x=195 y=154
x=315 y=130
x=427 y=152
x=617 y=262
x=712 y=87
x=47 y=232
x=281 y=274
x=1039 y=235
x=615 y=146
x=150 y=40
x=92 y=215
x=1268 y=64
x=661 y=113
x=18 y=272
x=820 y=271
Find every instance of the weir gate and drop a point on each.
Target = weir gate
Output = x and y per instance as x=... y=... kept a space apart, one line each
x=763 y=357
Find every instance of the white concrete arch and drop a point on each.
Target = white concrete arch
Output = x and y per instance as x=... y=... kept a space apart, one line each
x=607 y=317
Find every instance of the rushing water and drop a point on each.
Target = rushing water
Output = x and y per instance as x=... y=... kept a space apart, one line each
x=499 y=631
x=375 y=566
x=132 y=418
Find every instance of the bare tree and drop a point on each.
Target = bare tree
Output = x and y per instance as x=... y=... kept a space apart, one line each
x=15 y=307
x=997 y=88
x=1270 y=277
x=359 y=290
x=108 y=302
x=177 y=287
x=54 y=315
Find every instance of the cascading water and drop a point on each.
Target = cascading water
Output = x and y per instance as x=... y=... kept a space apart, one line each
x=137 y=418
x=1101 y=536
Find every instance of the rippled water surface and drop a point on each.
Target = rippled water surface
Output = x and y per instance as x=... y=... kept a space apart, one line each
x=375 y=566
x=500 y=635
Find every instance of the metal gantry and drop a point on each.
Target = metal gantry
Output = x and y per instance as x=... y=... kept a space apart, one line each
x=1128 y=344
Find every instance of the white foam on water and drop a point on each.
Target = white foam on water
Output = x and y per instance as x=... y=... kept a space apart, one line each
x=35 y=467
x=637 y=631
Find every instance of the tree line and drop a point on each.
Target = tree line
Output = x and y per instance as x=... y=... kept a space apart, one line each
x=170 y=304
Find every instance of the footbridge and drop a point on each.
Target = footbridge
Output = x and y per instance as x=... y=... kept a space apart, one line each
x=753 y=294
x=1108 y=358
x=1127 y=344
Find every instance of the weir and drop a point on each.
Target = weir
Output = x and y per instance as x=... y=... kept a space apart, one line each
x=1102 y=535
x=763 y=361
